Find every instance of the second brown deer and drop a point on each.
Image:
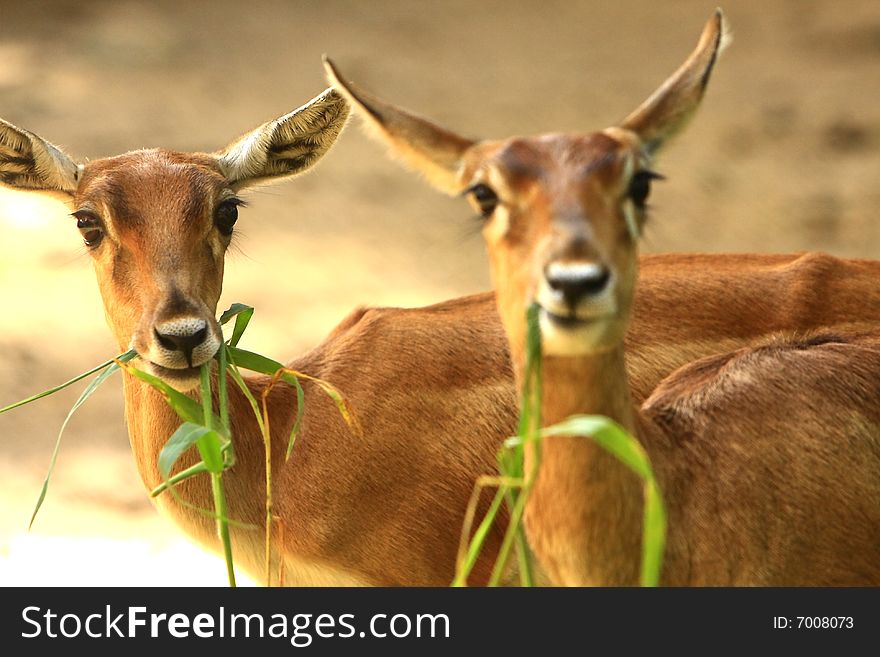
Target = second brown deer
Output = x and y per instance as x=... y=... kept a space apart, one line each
x=768 y=455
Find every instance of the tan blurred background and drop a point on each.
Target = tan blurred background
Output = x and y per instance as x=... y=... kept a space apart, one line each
x=784 y=156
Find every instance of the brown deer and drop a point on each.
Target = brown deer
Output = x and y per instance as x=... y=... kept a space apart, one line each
x=384 y=508
x=768 y=455
x=432 y=387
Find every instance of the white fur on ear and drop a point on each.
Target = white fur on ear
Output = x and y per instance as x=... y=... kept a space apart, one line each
x=726 y=33
x=286 y=146
x=30 y=162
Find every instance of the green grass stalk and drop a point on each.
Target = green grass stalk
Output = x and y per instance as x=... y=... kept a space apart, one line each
x=209 y=448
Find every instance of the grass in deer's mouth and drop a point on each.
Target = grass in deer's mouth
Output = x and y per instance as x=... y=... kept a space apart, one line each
x=183 y=374
x=574 y=321
x=203 y=426
x=514 y=484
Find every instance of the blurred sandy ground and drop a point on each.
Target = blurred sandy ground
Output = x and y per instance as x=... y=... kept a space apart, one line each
x=785 y=155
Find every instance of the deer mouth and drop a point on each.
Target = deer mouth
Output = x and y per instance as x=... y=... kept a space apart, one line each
x=572 y=335
x=573 y=321
x=173 y=372
x=182 y=379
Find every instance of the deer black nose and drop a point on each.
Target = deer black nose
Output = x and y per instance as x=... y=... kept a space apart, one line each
x=182 y=335
x=575 y=281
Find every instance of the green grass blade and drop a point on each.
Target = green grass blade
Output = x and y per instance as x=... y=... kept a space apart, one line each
x=609 y=435
x=109 y=368
x=264 y=365
x=209 y=444
x=191 y=471
x=94 y=385
x=511 y=466
x=126 y=356
x=241 y=322
x=654 y=539
x=187 y=435
x=242 y=314
x=264 y=431
x=233 y=310
x=223 y=524
x=187 y=408
x=222 y=391
x=511 y=461
x=45 y=487
x=240 y=382
x=336 y=397
x=475 y=546
x=297 y=423
x=614 y=438
x=530 y=402
x=254 y=362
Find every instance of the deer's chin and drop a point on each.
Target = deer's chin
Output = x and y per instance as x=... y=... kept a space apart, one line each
x=181 y=379
x=569 y=335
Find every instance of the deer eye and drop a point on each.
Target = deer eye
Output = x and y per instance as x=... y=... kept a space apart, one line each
x=485 y=197
x=226 y=215
x=640 y=186
x=90 y=227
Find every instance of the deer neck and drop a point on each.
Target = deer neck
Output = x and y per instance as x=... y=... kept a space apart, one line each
x=151 y=422
x=584 y=513
x=594 y=384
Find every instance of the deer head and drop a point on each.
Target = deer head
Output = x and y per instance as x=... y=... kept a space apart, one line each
x=157 y=224
x=562 y=212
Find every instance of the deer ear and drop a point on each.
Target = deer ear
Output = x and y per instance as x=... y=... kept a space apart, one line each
x=670 y=107
x=286 y=146
x=30 y=162
x=426 y=147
